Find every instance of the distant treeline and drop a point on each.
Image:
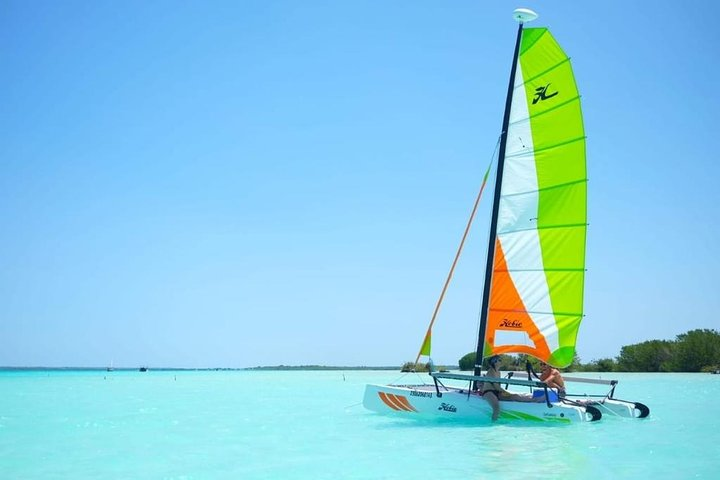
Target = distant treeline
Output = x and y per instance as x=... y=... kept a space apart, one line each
x=694 y=351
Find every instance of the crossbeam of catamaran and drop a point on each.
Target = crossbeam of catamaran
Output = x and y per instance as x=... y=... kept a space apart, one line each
x=597 y=381
x=482 y=378
x=477 y=379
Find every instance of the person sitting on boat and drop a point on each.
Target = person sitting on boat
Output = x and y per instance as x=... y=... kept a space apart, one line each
x=551 y=376
x=493 y=393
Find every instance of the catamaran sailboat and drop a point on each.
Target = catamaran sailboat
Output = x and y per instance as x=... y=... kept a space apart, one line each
x=532 y=301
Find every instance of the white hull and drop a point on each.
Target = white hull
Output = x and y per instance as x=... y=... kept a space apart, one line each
x=619 y=408
x=423 y=401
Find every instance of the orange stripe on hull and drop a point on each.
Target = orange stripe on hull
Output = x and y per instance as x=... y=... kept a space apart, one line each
x=405 y=403
x=386 y=400
x=396 y=402
x=507 y=308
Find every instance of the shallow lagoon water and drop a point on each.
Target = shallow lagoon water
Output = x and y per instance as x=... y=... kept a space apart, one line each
x=311 y=425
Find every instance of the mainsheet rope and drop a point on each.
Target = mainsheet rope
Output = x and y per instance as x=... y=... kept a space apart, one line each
x=425 y=347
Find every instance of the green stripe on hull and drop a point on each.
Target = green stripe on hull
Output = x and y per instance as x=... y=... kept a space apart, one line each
x=515 y=415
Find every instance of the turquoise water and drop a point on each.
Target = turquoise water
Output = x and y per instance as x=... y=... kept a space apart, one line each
x=310 y=425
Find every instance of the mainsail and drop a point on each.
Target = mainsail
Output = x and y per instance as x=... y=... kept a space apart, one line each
x=536 y=292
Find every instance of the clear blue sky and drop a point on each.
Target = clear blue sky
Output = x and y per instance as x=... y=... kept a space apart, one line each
x=240 y=183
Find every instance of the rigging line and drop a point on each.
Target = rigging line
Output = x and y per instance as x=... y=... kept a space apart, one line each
x=404 y=374
x=459 y=251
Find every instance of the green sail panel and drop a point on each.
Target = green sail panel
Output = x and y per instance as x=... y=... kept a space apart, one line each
x=536 y=301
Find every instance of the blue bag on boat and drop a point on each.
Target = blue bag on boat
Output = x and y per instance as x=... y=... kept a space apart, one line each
x=551 y=393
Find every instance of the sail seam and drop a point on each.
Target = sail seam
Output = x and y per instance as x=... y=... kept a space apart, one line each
x=563 y=314
x=555 y=145
x=544 y=112
x=545 y=189
x=539 y=270
x=544 y=227
x=526 y=49
x=567 y=59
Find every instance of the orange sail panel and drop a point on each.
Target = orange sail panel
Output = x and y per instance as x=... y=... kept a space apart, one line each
x=510 y=328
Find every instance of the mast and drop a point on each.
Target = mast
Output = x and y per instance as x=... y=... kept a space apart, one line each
x=522 y=15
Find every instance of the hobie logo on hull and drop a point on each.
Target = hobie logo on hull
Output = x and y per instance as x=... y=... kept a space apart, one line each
x=396 y=402
x=541 y=93
x=447 y=407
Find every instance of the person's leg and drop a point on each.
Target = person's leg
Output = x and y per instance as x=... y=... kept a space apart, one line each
x=494 y=403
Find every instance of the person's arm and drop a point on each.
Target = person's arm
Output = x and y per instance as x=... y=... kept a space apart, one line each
x=553 y=379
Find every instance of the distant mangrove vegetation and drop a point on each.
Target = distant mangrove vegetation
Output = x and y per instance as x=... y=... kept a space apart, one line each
x=694 y=351
x=422 y=367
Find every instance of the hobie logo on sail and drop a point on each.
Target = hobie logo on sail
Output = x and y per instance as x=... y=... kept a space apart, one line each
x=511 y=323
x=541 y=94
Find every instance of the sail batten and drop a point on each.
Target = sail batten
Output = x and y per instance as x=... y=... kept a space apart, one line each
x=562 y=314
x=539 y=114
x=530 y=37
x=545 y=189
x=544 y=227
x=545 y=148
x=543 y=270
x=550 y=69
